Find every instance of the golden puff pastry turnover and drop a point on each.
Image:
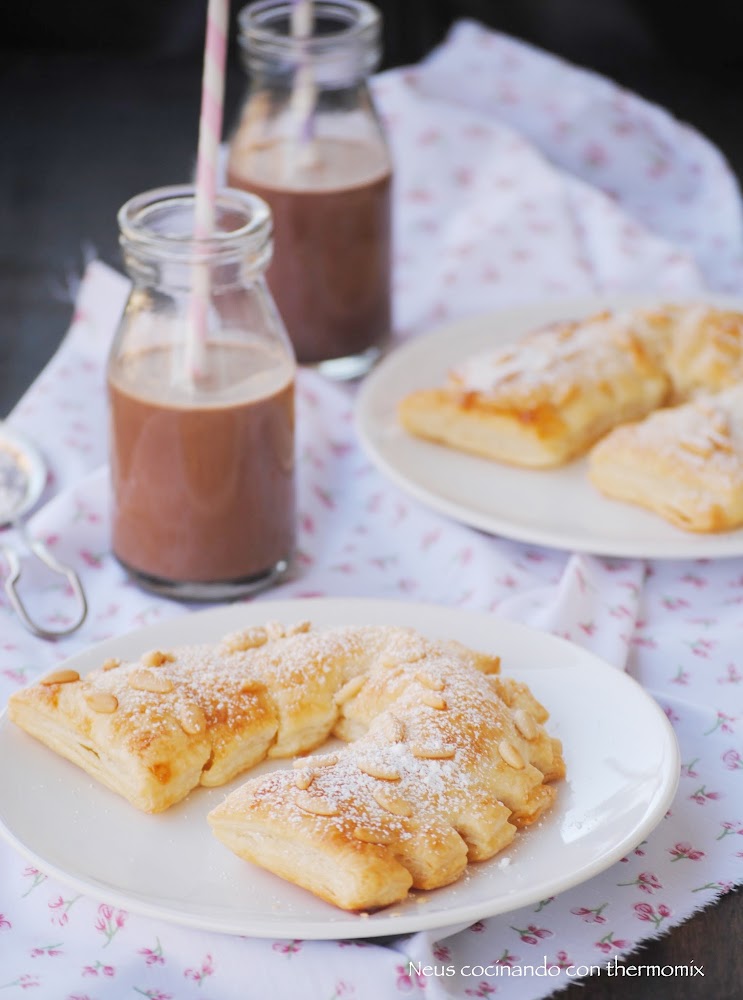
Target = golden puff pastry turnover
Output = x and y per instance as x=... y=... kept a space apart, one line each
x=549 y=396
x=684 y=463
x=705 y=351
x=446 y=764
x=155 y=728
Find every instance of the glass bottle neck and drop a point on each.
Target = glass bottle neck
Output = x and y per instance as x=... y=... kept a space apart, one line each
x=341 y=50
x=177 y=277
x=160 y=248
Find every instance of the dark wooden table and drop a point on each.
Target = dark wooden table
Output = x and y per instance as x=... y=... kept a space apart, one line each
x=711 y=939
x=82 y=132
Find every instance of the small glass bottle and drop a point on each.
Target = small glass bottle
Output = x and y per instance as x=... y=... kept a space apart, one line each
x=201 y=392
x=311 y=144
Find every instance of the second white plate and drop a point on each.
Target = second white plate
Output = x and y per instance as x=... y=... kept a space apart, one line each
x=620 y=752
x=557 y=507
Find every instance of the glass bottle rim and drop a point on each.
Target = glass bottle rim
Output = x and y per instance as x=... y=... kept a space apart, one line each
x=265 y=25
x=144 y=224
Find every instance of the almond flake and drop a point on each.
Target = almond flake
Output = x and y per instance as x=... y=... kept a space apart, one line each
x=60 y=677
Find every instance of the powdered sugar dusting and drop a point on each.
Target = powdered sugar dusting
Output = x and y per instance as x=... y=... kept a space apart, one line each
x=705 y=435
x=426 y=773
x=706 y=350
x=547 y=364
x=238 y=690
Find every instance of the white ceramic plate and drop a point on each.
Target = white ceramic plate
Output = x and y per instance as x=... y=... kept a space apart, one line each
x=621 y=756
x=557 y=507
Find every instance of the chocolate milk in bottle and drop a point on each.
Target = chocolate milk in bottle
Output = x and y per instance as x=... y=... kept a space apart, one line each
x=201 y=403
x=310 y=143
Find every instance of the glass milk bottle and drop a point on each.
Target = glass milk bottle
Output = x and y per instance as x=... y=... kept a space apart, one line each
x=310 y=143
x=201 y=393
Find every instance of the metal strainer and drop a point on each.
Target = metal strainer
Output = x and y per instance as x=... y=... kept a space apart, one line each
x=22 y=479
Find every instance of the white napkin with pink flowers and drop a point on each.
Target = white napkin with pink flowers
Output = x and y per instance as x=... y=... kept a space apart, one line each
x=518 y=177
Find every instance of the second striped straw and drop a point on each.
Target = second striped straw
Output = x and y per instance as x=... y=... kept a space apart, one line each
x=210 y=133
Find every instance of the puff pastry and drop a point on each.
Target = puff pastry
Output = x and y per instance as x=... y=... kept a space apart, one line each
x=685 y=463
x=552 y=394
x=155 y=728
x=447 y=758
x=705 y=351
x=446 y=764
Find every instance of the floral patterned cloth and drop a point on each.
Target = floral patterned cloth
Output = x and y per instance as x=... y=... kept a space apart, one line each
x=518 y=177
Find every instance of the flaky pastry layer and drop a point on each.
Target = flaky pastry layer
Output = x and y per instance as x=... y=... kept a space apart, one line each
x=447 y=758
x=684 y=463
x=446 y=764
x=549 y=396
x=155 y=728
x=705 y=351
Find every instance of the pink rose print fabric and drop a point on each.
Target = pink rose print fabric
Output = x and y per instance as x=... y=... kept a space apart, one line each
x=518 y=178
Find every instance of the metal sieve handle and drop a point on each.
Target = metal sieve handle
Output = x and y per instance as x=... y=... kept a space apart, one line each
x=15 y=569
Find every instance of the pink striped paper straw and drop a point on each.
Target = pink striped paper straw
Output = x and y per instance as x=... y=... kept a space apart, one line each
x=210 y=133
x=302 y=18
x=304 y=93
